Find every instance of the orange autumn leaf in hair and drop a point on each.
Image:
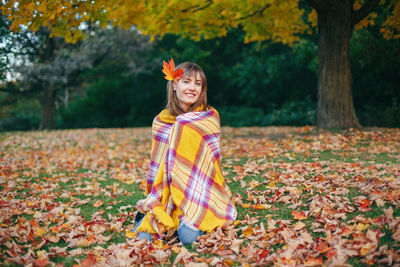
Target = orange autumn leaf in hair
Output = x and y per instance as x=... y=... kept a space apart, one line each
x=170 y=73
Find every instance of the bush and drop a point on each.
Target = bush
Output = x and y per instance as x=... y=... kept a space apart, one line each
x=241 y=116
x=296 y=113
x=380 y=115
x=107 y=104
x=23 y=115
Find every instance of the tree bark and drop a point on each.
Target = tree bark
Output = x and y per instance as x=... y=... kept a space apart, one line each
x=335 y=100
x=48 y=103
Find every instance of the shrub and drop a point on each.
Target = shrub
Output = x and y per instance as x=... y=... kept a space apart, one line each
x=380 y=115
x=296 y=113
x=241 y=116
x=23 y=115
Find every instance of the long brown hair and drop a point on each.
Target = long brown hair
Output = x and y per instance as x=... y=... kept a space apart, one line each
x=189 y=68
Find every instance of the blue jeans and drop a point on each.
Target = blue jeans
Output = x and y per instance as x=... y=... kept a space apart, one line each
x=186 y=234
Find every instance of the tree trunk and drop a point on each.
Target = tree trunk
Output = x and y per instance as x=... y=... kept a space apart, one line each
x=335 y=100
x=48 y=103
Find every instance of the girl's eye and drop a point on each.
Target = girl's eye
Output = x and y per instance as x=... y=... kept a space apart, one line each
x=198 y=84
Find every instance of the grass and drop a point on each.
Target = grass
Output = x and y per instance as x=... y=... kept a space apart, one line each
x=298 y=162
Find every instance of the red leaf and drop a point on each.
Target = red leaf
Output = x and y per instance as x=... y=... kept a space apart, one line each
x=31 y=235
x=331 y=253
x=88 y=262
x=313 y=262
x=264 y=253
x=365 y=203
x=43 y=262
x=322 y=245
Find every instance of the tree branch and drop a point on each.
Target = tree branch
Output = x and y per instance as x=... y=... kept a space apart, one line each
x=367 y=8
x=255 y=13
x=196 y=8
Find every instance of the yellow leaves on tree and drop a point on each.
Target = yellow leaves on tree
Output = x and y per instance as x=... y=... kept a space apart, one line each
x=279 y=21
x=368 y=20
x=391 y=27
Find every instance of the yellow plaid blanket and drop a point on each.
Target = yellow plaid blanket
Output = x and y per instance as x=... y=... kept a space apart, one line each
x=185 y=182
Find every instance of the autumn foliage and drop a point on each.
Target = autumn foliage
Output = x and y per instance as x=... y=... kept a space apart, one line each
x=308 y=198
x=279 y=21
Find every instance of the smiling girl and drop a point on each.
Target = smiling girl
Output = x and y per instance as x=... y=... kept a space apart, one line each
x=186 y=191
x=189 y=92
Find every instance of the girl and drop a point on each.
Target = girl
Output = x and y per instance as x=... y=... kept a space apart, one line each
x=185 y=188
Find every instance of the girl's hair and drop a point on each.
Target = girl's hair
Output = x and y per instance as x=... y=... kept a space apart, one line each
x=189 y=69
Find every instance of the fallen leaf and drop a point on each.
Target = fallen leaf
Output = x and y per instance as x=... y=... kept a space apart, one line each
x=98 y=204
x=88 y=262
x=39 y=231
x=53 y=238
x=299 y=215
x=313 y=261
x=248 y=231
x=236 y=243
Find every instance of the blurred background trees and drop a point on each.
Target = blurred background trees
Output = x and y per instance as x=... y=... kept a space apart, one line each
x=50 y=71
x=113 y=78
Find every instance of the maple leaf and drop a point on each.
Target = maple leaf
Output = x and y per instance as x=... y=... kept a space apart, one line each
x=88 y=262
x=299 y=226
x=248 y=231
x=313 y=262
x=299 y=215
x=379 y=202
x=43 y=262
x=183 y=256
x=261 y=207
x=39 y=231
x=85 y=242
x=363 y=202
x=98 y=204
x=52 y=238
x=263 y=254
x=170 y=73
x=236 y=243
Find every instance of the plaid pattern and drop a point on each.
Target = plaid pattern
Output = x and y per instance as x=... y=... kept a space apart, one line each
x=160 y=132
x=185 y=180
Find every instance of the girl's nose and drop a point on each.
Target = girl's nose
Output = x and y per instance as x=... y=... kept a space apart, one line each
x=191 y=86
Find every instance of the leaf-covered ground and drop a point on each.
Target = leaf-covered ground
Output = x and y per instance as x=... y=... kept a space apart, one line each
x=304 y=198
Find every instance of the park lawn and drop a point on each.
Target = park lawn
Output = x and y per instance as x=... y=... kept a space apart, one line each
x=304 y=197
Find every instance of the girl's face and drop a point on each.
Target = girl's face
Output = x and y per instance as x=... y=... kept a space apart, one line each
x=188 y=90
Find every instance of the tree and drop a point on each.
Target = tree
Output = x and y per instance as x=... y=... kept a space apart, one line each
x=33 y=68
x=281 y=21
x=48 y=68
x=336 y=20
